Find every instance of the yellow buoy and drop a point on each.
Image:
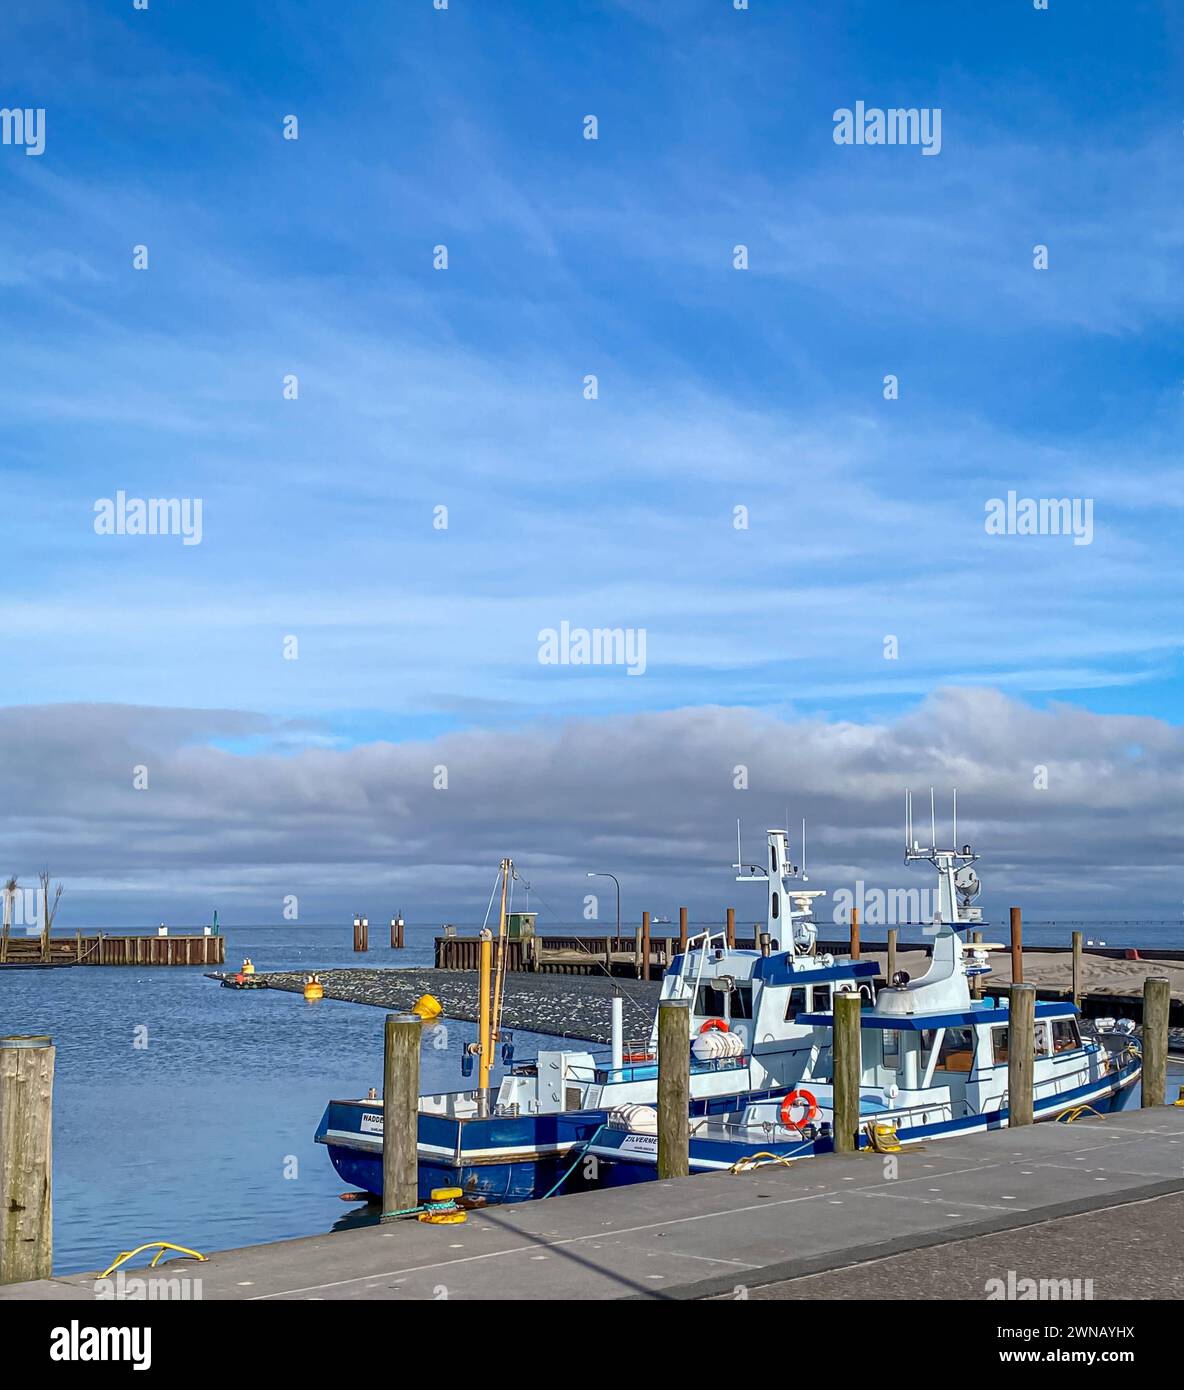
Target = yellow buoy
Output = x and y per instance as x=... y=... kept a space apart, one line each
x=248 y=968
x=313 y=989
x=427 y=1008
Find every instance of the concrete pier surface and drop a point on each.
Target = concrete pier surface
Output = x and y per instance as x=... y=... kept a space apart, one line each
x=1050 y=1201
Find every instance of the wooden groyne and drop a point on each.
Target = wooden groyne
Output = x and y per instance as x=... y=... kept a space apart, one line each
x=113 y=950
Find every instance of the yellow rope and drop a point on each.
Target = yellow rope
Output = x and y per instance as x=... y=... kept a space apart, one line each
x=758 y=1160
x=1075 y=1112
x=164 y=1245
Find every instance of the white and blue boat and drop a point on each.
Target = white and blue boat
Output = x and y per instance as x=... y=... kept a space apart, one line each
x=934 y=1063
x=751 y=1039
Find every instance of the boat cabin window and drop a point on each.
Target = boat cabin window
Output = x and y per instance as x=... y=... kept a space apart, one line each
x=890 y=1048
x=1065 y=1035
x=957 y=1050
x=1042 y=1044
x=800 y=1001
x=711 y=1002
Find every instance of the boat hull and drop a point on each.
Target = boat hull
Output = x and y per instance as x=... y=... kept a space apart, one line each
x=499 y=1159
x=637 y=1154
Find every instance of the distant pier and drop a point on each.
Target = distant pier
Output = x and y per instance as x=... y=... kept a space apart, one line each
x=113 y=950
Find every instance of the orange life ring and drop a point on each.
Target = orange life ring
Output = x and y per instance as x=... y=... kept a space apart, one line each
x=788 y=1104
x=714 y=1025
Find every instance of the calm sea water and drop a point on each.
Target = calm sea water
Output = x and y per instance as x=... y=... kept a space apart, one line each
x=204 y=1135
x=191 y=1138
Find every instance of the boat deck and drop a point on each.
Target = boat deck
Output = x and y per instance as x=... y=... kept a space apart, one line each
x=720 y=1233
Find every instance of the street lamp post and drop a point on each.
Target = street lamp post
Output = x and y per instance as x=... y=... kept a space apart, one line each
x=614 y=879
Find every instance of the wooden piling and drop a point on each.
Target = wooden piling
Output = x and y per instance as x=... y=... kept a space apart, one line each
x=1021 y=1050
x=1077 y=969
x=645 y=945
x=731 y=936
x=674 y=1088
x=682 y=929
x=847 y=1067
x=400 y=1114
x=1017 y=947
x=637 y=952
x=1157 y=1003
x=891 y=953
x=854 y=933
x=26 y=1165
x=396 y=933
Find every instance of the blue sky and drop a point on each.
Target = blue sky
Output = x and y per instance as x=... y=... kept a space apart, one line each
x=464 y=387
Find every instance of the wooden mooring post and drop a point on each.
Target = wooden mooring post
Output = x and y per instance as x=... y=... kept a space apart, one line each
x=731 y=928
x=682 y=929
x=674 y=1088
x=847 y=1067
x=891 y=953
x=400 y=1114
x=1157 y=1004
x=1017 y=947
x=397 y=933
x=26 y=1166
x=361 y=934
x=854 y=933
x=1021 y=1050
x=1077 y=969
x=645 y=945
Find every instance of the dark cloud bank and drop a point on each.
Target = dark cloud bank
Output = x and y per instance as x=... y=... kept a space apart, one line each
x=648 y=797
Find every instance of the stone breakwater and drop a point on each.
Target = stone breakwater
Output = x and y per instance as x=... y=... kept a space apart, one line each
x=562 y=1006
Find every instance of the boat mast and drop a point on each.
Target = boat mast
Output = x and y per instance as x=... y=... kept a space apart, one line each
x=500 y=971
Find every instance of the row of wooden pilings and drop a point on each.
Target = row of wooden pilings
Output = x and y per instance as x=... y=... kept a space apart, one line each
x=1016 y=948
x=26 y=1108
x=362 y=933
